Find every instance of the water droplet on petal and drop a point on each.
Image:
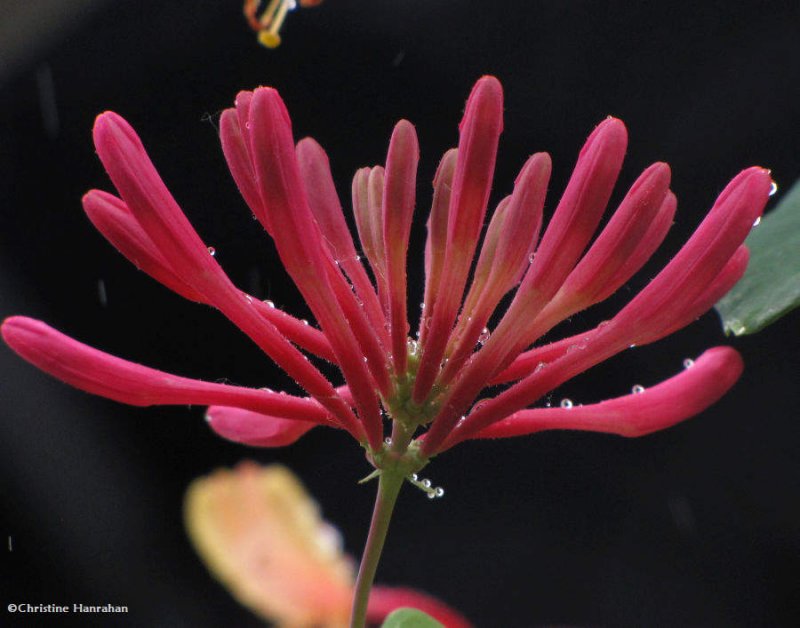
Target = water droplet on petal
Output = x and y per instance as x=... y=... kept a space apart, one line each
x=688 y=363
x=388 y=440
x=757 y=221
x=431 y=495
x=773 y=188
x=413 y=346
x=422 y=306
x=305 y=322
x=530 y=258
x=358 y=258
x=269 y=303
x=291 y=5
x=632 y=346
x=439 y=492
x=637 y=389
x=566 y=403
x=212 y=251
x=426 y=483
x=485 y=333
x=414 y=477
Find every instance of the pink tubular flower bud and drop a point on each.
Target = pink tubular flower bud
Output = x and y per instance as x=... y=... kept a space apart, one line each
x=254 y=428
x=399 y=195
x=702 y=383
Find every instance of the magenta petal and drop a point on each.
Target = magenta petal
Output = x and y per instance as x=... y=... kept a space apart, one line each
x=324 y=203
x=656 y=408
x=102 y=374
x=521 y=220
x=255 y=429
x=675 y=289
x=111 y=217
x=384 y=600
x=593 y=278
x=436 y=242
x=302 y=250
x=236 y=151
x=477 y=151
x=399 y=196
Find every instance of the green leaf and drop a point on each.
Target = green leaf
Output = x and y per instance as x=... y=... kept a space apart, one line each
x=771 y=286
x=410 y=618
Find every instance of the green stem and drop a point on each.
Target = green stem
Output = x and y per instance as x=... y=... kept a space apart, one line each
x=389 y=487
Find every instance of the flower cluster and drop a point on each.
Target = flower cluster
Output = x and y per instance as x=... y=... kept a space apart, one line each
x=431 y=380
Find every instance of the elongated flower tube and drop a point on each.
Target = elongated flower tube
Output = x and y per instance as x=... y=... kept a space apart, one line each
x=426 y=381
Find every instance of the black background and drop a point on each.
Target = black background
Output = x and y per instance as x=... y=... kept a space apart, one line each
x=694 y=526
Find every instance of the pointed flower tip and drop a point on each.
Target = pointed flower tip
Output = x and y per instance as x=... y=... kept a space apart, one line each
x=485 y=102
x=308 y=145
x=110 y=125
x=404 y=138
x=15 y=328
x=749 y=189
x=268 y=101
x=611 y=130
x=243 y=98
x=539 y=163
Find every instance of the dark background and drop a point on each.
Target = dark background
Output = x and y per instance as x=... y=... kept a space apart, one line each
x=694 y=526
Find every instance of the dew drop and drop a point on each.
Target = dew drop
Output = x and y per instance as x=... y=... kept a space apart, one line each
x=212 y=251
x=632 y=346
x=773 y=188
x=305 y=322
x=422 y=305
x=388 y=440
x=439 y=492
x=539 y=367
x=249 y=298
x=431 y=495
x=688 y=363
x=413 y=346
x=484 y=336
x=530 y=258
x=426 y=483
x=566 y=403
x=365 y=359
x=291 y=5
x=358 y=258
x=414 y=477
x=637 y=389
x=757 y=222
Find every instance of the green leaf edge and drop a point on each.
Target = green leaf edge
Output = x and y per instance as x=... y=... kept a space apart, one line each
x=753 y=304
x=410 y=618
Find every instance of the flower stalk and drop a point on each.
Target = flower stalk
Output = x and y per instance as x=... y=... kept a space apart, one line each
x=389 y=484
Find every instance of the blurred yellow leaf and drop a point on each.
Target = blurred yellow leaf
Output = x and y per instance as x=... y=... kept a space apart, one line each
x=262 y=536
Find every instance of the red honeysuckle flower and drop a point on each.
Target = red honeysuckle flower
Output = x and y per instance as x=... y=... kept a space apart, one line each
x=364 y=327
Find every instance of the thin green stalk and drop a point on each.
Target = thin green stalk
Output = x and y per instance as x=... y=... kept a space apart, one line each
x=389 y=487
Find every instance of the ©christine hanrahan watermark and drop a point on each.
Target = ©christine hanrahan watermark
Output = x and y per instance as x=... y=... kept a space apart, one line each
x=24 y=608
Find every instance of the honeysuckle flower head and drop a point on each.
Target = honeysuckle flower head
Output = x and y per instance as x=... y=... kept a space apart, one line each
x=427 y=381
